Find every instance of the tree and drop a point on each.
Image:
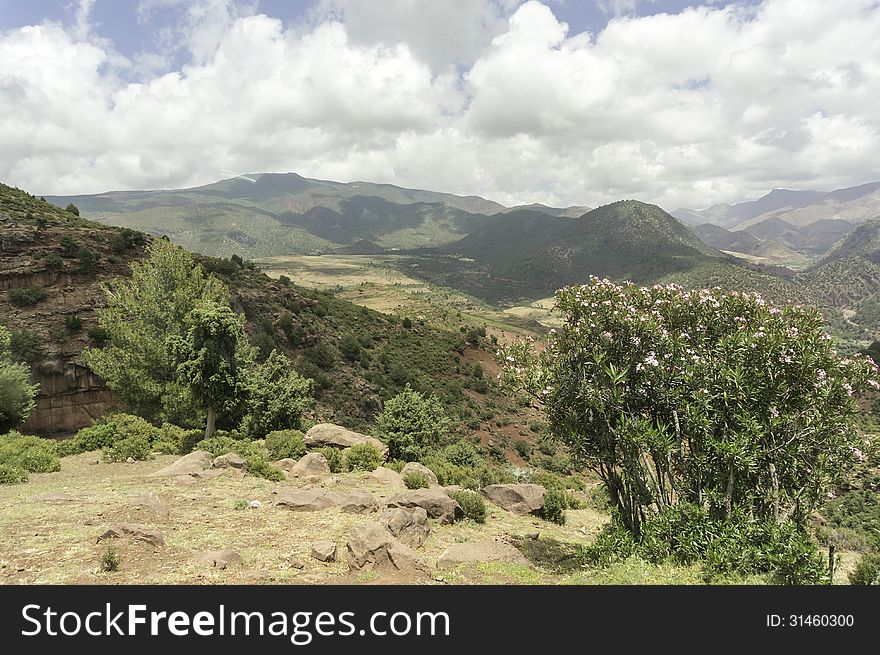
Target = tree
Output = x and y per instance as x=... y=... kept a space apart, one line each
x=697 y=398
x=143 y=314
x=17 y=395
x=277 y=397
x=72 y=209
x=412 y=424
x=212 y=359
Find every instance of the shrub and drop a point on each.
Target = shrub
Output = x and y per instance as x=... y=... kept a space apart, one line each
x=87 y=259
x=94 y=437
x=28 y=453
x=25 y=346
x=334 y=458
x=189 y=440
x=110 y=561
x=866 y=571
x=73 y=323
x=285 y=443
x=395 y=465
x=10 y=474
x=555 y=504
x=523 y=448
x=412 y=424
x=258 y=465
x=414 y=480
x=17 y=395
x=277 y=396
x=463 y=453
x=472 y=504
x=222 y=443
x=53 y=261
x=72 y=209
x=169 y=439
x=240 y=504
x=350 y=347
x=362 y=457
x=135 y=446
x=26 y=296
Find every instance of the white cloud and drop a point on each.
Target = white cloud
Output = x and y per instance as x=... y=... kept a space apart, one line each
x=708 y=105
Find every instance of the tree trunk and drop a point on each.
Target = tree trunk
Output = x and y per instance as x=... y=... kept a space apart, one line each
x=212 y=420
x=774 y=480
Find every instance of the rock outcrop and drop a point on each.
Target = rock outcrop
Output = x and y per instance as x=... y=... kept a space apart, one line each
x=336 y=436
x=518 y=499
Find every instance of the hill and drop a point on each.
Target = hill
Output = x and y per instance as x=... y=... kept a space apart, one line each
x=52 y=265
x=526 y=254
x=748 y=246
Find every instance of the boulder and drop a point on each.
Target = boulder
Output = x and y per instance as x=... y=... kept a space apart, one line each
x=220 y=559
x=230 y=460
x=415 y=467
x=135 y=532
x=371 y=544
x=285 y=464
x=192 y=464
x=408 y=525
x=306 y=500
x=518 y=499
x=470 y=553
x=434 y=501
x=385 y=475
x=324 y=550
x=311 y=464
x=359 y=502
x=336 y=436
x=151 y=502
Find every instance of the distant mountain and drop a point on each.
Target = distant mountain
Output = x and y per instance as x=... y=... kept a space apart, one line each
x=575 y=211
x=526 y=254
x=748 y=246
x=813 y=239
x=733 y=215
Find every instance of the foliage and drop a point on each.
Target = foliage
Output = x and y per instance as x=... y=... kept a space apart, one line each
x=362 y=457
x=10 y=474
x=334 y=458
x=277 y=396
x=412 y=424
x=674 y=396
x=72 y=323
x=416 y=480
x=110 y=560
x=17 y=395
x=26 y=346
x=523 y=448
x=281 y=444
x=853 y=519
x=169 y=439
x=555 y=504
x=472 y=504
x=26 y=296
x=72 y=209
x=867 y=570
x=135 y=446
x=254 y=455
x=144 y=314
x=27 y=454
x=257 y=464
x=111 y=431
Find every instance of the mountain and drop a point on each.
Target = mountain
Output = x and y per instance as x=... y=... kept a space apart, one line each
x=573 y=211
x=65 y=259
x=813 y=239
x=733 y=215
x=274 y=214
x=745 y=245
x=526 y=254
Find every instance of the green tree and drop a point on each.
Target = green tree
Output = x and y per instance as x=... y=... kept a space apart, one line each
x=17 y=395
x=143 y=314
x=277 y=397
x=213 y=359
x=72 y=209
x=412 y=424
x=681 y=398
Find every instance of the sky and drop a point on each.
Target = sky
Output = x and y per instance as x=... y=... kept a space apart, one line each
x=563 y=102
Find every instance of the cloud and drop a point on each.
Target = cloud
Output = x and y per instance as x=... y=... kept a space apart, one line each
x=712 y=104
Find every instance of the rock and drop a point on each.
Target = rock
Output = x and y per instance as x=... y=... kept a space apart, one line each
x=518 y=499
x=359 y=502
x=372 y=544
x=56 y=498
x=255 y=504
x=385 y=475
x=135 y=532
x=230 y=460
x=408 y=525
x=151 y=502
x=311 y=464
x=256 y=576
x=306 y=500
x=285 y=464
x=415 y=467
x=434 y=501
x=194 y=463
x=93 y=462
x=336 y=436
x=130 y=460
x=324 y=550
x=296 y=563
x=220 y=559
x=469 y=553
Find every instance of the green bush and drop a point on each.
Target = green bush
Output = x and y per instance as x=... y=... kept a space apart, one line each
x=277 y=397
x=414 y=480
x=334 y=458
x=72 y=323
x=258 y=465
x=26 y=346
x=10 y=474
x=110 y=560
x=26 y=296
x=866 y=571
x=362 y=457
x=28 y=453
x=412 y=424
x=53 y=261
x=395 y=465
x=169 y=439
x=189 y=440
x=472 y=504
x=555 y=504
x=523 y=448
x=221 y=443
x=285 y=443
x=135 y=446
x=94 y=437
x=463 y=453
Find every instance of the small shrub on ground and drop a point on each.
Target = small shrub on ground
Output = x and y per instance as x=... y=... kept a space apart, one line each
x=395 y=464
x=334 y=458
x=73 y=323
x=555 y=504
x=523 y=448
x=10 y=474
x=240 y=504
x=136 y=447
x=362 y=457
x=110 y=561
x=412 y=424
x=22 y=454
x=169 y=439
x=285 y=443
x=472 y=504
x=414 y=480
x=867 y=570
x=26 y=296
x=258 y=465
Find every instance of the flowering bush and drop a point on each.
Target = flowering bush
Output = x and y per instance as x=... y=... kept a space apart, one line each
x=718 y=400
